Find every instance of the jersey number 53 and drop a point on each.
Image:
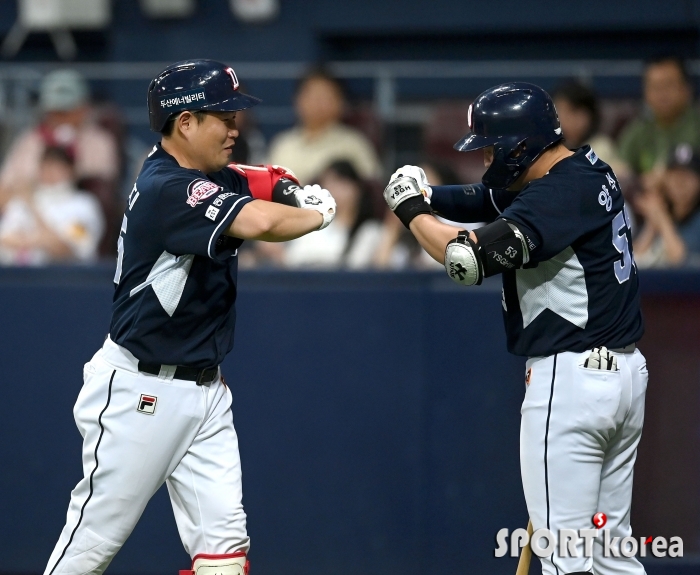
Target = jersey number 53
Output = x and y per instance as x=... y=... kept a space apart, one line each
x=623 y=267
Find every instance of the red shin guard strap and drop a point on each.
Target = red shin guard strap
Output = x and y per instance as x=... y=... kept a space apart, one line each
x=246 y=568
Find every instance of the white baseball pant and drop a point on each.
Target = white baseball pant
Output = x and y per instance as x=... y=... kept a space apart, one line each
x=578 y=443
x=181 y=434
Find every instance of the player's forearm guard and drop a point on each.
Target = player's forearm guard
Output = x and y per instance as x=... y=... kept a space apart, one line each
x=284 y=192
x=263 y=180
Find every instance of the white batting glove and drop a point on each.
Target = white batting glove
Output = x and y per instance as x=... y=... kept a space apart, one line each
x=601 y=358
x=317 y=198
x=417 y=174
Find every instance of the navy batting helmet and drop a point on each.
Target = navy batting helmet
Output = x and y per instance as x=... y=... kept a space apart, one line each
x=194 y=85
x=519 y=120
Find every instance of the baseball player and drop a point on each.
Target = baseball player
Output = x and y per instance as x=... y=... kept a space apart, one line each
x=154 y=407
x=559 y=236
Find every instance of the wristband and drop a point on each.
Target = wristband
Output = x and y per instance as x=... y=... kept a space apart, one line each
x=410 y=208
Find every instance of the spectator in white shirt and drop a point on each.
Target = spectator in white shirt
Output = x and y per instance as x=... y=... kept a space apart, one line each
x=321 y=138
x=51 y=221
x=66 y=122
x=353 y=238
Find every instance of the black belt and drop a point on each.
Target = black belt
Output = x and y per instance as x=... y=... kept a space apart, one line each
x=201 y=376
x=627 y=349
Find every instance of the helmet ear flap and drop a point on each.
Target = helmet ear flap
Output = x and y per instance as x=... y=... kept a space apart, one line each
x=518 y=150
x=504 y=168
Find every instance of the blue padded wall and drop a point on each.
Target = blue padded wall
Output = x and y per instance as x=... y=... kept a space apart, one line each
x=377 y=415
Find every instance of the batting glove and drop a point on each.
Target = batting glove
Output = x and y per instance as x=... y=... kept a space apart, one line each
x=403 y=195
x=316 y=198
x=417 y=174
x=601 y=358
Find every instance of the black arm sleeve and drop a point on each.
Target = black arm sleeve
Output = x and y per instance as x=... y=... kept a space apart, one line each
x=283 y=192
x=469 y=203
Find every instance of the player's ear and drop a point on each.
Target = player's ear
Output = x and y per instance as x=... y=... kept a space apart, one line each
x=185 y=123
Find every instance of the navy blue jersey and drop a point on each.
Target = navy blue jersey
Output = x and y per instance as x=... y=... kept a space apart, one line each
x=470 y=203
x=176 y=270
x=580 y=288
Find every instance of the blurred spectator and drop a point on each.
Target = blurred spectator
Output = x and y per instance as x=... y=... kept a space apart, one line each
x=670 y=118
x=353 y=238
x=397 y=247
x=320 y=138
x=440 y=174
x=52 y=222
x=669 y=204
x=67 y=122
x=579 y=115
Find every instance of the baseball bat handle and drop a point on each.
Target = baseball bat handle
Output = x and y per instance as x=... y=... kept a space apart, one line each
x=525 y=554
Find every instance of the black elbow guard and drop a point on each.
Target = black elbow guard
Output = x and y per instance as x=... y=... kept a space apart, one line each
x=502 y=247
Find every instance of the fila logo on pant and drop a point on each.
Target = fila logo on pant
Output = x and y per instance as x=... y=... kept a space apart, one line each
x=147 y=404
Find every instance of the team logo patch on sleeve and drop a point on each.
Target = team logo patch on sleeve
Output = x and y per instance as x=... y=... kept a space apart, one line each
x=200 y=190
x=592 y=158
x=147 y=404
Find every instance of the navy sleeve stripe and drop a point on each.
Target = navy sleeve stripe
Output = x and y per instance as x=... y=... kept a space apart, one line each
x=223 y=221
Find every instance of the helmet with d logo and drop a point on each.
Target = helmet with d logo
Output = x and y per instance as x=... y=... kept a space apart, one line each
x=194 y=85
x=519 y=120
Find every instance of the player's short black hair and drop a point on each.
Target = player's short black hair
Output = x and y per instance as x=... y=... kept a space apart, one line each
x=320 y=72
x=170 y=124
x=677 y=61
x=580 y=97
